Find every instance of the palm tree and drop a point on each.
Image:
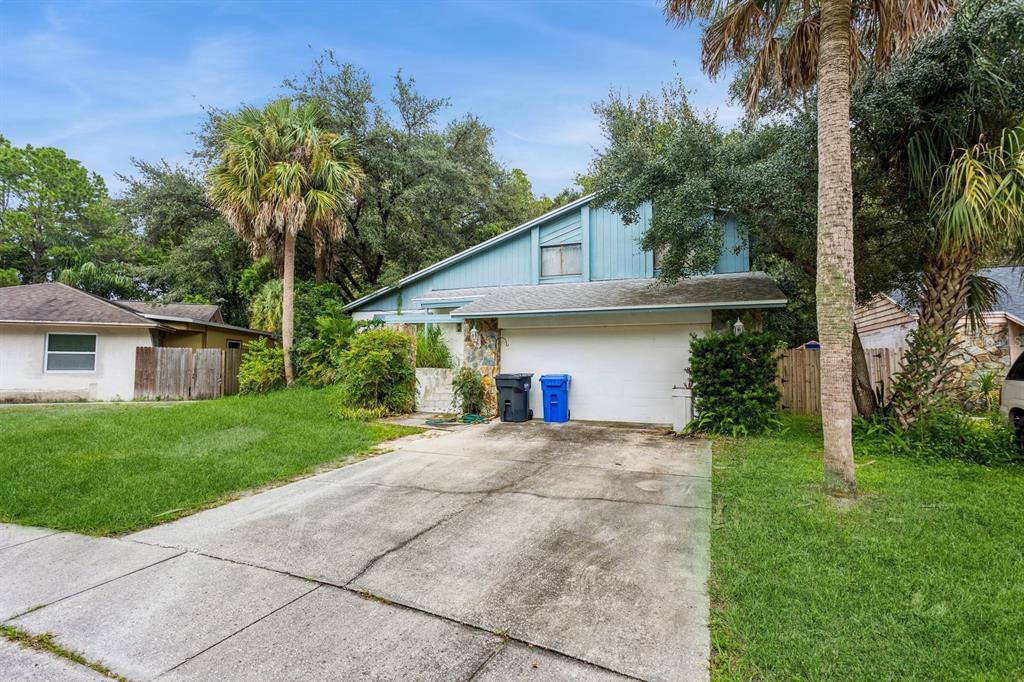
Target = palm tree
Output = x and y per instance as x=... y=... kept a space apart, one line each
x=793 y=47
x=977 y=213
x=280 y=174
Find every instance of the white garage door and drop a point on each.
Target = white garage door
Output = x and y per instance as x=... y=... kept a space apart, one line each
x=619 y=373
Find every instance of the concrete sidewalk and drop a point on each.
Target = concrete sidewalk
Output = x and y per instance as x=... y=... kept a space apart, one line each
x=499 y=552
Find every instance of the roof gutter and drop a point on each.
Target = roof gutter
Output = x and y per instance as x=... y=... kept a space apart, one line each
x=773 y=303
x=143 y=325
x=218 y=325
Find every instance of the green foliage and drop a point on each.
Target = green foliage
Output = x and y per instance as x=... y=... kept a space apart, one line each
x=915 y=389
x=983 y=391
x=944 y=432
x=733 y=380
x=766 y=173
x=103 y=280
x=378 y=372
x=661 y=150
x=190 y=251
x=9 y=277
x=432 y=186
x=311 y=301
x=431 y=350
x=468 y=389
x=262 y=367
x=319 y=357
x=55 y=214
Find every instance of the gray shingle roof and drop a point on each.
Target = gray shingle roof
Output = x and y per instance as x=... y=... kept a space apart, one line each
x=1012 y=301
x=193 y=311
x=53 y=303
x=753 y=289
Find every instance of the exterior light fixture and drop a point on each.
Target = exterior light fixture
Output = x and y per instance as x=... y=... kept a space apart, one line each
x=737 y=328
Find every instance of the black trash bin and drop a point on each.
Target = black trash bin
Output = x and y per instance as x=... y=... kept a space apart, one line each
x=514 y=397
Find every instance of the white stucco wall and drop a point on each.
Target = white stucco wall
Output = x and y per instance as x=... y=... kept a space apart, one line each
x=23 y=356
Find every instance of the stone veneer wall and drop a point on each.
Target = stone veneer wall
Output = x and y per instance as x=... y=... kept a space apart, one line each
x=484 y=355
x=981 y=350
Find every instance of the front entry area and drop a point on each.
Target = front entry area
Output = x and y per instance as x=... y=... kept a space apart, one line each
x=623 y=367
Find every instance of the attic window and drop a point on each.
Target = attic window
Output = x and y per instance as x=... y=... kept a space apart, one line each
x=564 y=259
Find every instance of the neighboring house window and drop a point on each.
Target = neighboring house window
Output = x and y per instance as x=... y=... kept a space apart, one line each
x=234 y=344
x=70 y=352
x=564 y=259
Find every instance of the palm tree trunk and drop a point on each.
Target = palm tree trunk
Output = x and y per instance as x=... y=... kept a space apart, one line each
x=288 y=305
x=863 y=393
x=835 y=288
x=943 y=303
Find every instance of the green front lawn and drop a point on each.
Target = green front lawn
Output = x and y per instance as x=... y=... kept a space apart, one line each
x=922 y=577
x=111 y=469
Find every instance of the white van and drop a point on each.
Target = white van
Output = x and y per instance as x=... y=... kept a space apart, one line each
x=1011 y=403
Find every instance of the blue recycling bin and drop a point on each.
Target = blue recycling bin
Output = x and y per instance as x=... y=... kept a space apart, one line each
x=555 y=391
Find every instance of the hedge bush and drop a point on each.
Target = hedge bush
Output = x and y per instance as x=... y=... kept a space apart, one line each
x=262 y=367
x=943 y=432
x=468 y=391
x=319 y=357
x=733 y=379
x=378 y=372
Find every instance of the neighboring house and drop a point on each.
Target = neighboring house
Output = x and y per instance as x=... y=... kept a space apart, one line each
x=59 y=343
x=572 y=292
x=193 y=325
x=885 y=321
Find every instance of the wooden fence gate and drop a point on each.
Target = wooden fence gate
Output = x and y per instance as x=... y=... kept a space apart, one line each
x=185 y=374
x=799 y=376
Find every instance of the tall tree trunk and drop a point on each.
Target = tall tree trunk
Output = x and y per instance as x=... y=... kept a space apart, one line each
x=288 y=305
x=835 y=289
x=863 y=393
x=926 y=369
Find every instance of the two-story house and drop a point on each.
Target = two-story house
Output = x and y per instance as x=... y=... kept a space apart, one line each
x=572 y=292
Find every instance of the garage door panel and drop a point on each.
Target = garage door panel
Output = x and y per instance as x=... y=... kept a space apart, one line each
x=619 y=373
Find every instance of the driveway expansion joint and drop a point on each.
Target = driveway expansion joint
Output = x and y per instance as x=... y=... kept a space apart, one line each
x=93 y=587
x=241 y=629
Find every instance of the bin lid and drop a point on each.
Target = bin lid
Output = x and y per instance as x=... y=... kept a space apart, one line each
x=555 y=379
x=515 y=376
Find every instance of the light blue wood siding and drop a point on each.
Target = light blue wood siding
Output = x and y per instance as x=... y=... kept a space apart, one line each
x=611 y=250
x=615 y=251
x=507 y=262
x=565 y=230
x=735 y=249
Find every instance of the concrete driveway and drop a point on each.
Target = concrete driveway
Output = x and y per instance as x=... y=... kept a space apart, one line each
x=499 y=552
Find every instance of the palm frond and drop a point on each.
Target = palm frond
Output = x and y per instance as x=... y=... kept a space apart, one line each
x=982 y=296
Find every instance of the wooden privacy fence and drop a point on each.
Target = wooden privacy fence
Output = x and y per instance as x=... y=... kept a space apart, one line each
x=185 y=374
x=799 y=376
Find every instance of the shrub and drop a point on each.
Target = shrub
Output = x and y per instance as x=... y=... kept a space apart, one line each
x=262 y=367
x=377 y=372
x=943 y=432
x=431 y=350
x=733 y=379
x=468 y=389
x=319 y=357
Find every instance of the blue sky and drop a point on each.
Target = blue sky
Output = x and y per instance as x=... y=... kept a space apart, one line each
x=110 y=81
